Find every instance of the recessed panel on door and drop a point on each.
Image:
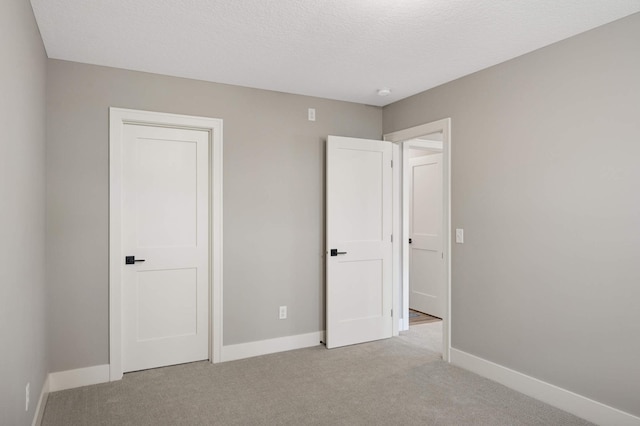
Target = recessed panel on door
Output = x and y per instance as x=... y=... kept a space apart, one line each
x=427 y=185
x=363 y=297
x=167 y=185
x=353 y=197
x=167 y=304
x=426 y=263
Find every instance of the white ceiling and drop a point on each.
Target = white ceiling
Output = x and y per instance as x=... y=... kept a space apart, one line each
x=338 y=49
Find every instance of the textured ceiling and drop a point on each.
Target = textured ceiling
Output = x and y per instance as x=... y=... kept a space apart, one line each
x=338 y=49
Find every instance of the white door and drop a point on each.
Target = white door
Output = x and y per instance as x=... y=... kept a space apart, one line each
x=426 y=263
x=165 y=221
x=358 y=238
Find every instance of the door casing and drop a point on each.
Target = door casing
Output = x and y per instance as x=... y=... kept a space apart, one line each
x=401 y=228
x=118 y=118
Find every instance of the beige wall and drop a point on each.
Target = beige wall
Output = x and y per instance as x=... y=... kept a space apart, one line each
x=23 y=340
x=273 y=200
x=546 y=184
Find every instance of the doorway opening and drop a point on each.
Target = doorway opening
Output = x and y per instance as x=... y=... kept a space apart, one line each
x=422 y=218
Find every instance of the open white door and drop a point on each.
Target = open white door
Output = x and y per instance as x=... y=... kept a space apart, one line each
x=426 y=270
x=358 y=238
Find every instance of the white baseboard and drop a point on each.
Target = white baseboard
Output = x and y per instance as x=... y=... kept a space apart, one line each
x=100 y=373
x=568 y=401
x=80 y=377
x=42 y=402
x=269 y=346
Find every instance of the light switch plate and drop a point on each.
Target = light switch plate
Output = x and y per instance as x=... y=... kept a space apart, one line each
x=459 y=235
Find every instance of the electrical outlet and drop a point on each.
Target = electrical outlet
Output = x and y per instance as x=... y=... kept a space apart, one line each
x=459 y=236
x=283 y=312
x=27 y=391
x=312 y=114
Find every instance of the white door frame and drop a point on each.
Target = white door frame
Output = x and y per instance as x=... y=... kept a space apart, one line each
x=118 y=118
x=402 y=141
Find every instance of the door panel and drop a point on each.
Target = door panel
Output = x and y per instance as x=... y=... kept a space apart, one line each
x=166 y=187
x=165 y=223
x=166 y=304
x=362 y=298
x=352 y=197
x=359 y=227
x=426 y=264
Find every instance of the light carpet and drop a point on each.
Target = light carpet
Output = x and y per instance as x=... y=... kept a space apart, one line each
x=397 y=381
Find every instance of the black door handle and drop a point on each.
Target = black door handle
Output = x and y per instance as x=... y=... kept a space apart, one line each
x=130 y=260
x=335 y=252
x=409 y=240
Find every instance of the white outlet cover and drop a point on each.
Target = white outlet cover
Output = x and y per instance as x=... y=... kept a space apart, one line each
x=312 y=114
x=459 y=235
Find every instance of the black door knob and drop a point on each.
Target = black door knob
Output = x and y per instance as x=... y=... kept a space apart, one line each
x=130 y=260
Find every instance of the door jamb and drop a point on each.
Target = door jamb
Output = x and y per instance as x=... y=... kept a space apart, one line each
x=400 y=245
x=118 y=118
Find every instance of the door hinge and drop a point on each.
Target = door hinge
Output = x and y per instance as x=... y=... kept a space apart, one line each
x=392 y=164
x=391 y=313
x=391 y=237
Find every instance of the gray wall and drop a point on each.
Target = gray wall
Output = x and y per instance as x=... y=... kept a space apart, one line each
x=273 y=200
x=23 y=341
x=546 y=184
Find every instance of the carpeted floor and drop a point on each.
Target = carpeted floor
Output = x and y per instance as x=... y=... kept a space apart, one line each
x=427 y=336
x=396 y=381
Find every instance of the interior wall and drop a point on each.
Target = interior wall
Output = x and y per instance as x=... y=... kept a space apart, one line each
x=545 y=175
x=273 y=200
x=23 y=358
